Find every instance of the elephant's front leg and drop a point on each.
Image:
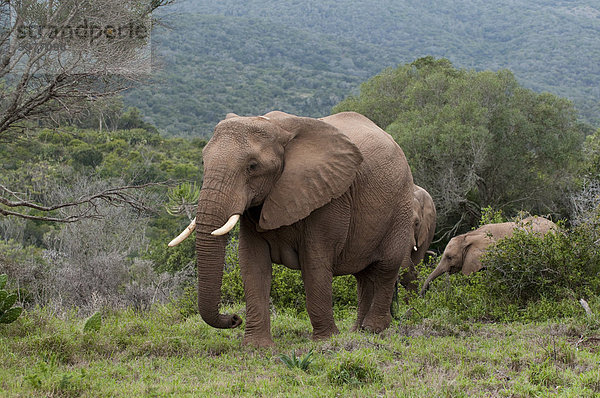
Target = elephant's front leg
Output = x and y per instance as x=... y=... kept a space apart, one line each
x=256 y=269
x=318 y=277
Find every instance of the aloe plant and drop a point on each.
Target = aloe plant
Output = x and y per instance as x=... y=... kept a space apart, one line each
x=295 y=362
x=8 y=313
x=183 y=199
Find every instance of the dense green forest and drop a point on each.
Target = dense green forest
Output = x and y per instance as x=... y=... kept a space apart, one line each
x=478 y=139
x=304 y=57
x=213 y=65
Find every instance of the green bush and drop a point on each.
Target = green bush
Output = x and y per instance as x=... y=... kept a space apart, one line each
x=526 y=267
x=456 y=299
x=491 y=216
x=86 y=155
x=528 y=278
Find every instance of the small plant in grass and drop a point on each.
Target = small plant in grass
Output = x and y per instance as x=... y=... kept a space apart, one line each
x=591 y=380
x=93 y=323
x=354 y=370
x=46 y=377
x=545 y=374
x=296 y=362
x=8 y=313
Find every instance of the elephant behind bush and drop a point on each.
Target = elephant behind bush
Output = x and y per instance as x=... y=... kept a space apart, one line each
x=463 y=252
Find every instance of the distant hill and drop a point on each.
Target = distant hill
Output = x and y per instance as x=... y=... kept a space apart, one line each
x=303 y=57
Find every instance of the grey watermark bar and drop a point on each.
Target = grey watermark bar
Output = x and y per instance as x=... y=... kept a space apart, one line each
x=78 y=36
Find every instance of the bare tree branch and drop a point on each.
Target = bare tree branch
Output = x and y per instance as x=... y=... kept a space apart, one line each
x=87 y=205
x=58 y=56
x=47 y=65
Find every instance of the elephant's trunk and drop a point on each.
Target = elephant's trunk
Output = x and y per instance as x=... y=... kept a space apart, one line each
x=439 y=270
x=210 y=250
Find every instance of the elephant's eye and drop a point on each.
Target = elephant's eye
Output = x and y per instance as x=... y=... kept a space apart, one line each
x=252 y=166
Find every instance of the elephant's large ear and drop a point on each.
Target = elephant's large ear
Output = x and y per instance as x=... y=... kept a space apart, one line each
x=427 y=223
x=320 y=164
x=474 y=248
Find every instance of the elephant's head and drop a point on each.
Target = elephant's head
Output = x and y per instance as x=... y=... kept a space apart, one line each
x=282 y=166
x=463 y=253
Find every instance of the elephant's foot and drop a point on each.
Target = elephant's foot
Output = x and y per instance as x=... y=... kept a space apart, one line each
x=357 y=326
x=258 y=342
x=325 y=333
x=377 y=324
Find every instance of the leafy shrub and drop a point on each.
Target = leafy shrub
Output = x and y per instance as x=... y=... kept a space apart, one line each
x=491 y=216
x=457 y=298
x=187 y=302
x=86 y=155
x=287 y=288
x=527 y=267
x=528 y=278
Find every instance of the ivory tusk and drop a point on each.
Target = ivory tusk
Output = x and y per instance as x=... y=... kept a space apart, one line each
x=227 y=227
x=186 y=232
x=415 y=248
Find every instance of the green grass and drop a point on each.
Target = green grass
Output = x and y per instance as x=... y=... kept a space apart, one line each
x=161 y=353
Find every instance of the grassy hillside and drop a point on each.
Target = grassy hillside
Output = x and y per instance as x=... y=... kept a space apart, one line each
x=303 y=57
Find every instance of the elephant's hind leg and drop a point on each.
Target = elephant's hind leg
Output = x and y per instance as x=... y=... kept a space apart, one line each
x=365 y=290
x=383 y=276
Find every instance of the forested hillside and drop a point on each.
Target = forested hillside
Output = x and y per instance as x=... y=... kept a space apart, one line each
x=212 y=65
x=303 y=57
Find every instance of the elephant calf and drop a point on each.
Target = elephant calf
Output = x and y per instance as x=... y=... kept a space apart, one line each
x=463 y=252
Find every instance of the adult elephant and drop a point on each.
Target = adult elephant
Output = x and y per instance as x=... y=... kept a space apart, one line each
x=424 y=221
x=463 y=252
x=330 y=196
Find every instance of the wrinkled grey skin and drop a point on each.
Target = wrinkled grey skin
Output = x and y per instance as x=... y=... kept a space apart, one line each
x=330 y=196
x=463 y=252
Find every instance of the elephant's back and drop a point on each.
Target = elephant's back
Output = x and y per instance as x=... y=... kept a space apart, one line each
x=365 y=134
x=378 y=148
x=496 y=231
x=538 y=224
